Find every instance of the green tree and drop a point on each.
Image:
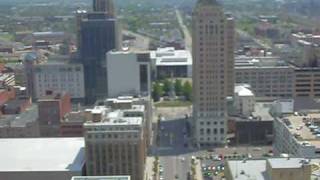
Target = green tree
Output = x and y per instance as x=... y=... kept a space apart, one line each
x=167 y=86
x=178 y=87
x=187 y=90
x=157 y=92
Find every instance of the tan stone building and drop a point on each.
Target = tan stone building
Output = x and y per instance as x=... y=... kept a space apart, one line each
x=271 y=169
x=115 y=141
x=213 y=65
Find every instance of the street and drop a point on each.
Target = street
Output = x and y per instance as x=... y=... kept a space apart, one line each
x=187 y=35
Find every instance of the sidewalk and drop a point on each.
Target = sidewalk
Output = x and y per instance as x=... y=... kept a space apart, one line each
x=148 y=175
x=198 y=170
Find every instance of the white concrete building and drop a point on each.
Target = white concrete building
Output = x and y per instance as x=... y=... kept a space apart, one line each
x=168 y=62
x=41 y=158
x=128 y=73
x=59 y=77
x=297 y=135
x=244 y=100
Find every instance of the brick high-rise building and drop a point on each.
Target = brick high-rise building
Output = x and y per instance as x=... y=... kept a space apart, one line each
x=213 y=65
x=52 y=108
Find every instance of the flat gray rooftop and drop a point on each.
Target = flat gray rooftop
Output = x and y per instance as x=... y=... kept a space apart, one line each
x=250 y=169
x=42 y=154
x=20 y=120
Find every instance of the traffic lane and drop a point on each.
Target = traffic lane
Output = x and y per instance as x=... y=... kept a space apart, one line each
x=175 y=167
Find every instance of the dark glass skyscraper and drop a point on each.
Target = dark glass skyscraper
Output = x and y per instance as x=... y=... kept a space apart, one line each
x=106 y=6
x=99 y=34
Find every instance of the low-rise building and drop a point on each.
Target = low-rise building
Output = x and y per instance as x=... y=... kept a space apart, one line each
x=268 y=76
x=52 y=109
x=71 y=125
x=272 y=169
x=297 y=135
x=137 y=77
x=169 y=62
x=307 y=82
x=244 y=100
x=42 y=158
x=296 y=129
x=256 y=128
x=59 y=76
x=20 y=125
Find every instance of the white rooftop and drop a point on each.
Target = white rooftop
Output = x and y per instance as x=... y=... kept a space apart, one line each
x=42 y=154
x=170 y=57
x=242 y=90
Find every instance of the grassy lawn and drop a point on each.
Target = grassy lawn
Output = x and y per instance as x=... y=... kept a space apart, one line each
x=173 y=104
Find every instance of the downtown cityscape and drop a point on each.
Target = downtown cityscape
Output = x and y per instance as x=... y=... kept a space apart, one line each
x=159 y=90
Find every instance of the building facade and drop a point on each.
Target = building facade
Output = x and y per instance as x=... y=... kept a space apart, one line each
x=115 y=143
x=52 y=109
x=297 y=135
x=267 y=76
x=104 y=6
x=137 y=77
x=169 y=62
x=213 y=41
x=99 y=34
x=59 y=77
x=307 y=82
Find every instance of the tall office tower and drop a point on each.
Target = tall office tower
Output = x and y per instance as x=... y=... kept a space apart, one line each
x=213 y=34
x=99 y=34
x=104 y=6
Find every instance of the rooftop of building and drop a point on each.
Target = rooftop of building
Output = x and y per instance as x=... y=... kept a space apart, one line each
x=244 y=170
x=52 y=96
x=74 y=117
x=304 y=127
x=243 y=90
x=259 y=62
x=101 y=178
x=169 y=56
x=42 y=154
x=48 y=33
x=262 y=111
x=20 y=120
x=15 y=103
x=113 y=118
x=257 y=168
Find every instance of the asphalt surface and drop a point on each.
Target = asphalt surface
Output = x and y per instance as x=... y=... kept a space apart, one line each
x=175 y=152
